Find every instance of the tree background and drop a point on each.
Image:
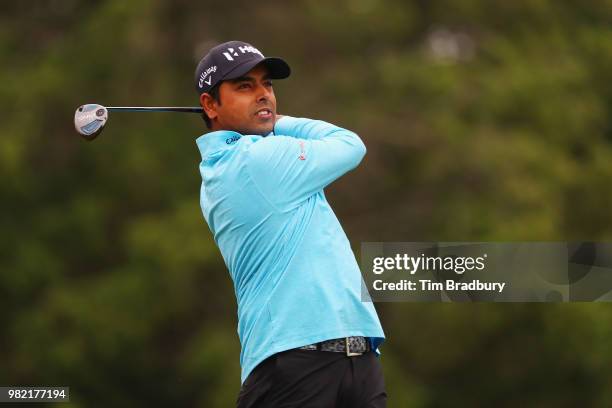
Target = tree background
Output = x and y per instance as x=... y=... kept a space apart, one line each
x=487 y=121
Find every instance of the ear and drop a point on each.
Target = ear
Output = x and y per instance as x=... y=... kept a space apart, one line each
x=209 y=105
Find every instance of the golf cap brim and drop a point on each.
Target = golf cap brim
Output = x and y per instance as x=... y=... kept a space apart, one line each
x=277 y=68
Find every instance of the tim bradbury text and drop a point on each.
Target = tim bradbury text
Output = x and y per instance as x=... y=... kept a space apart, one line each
x=429 y=285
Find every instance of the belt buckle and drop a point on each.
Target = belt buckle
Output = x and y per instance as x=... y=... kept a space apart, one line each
x=348 y=350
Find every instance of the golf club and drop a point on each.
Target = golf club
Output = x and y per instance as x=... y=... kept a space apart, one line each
x=90 y=119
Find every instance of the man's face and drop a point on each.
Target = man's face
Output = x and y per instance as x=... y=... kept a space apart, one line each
x=246 y=105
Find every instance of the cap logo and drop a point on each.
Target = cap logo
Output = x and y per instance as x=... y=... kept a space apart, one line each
x=206 y=73
x=231 y=52
x=228 y=55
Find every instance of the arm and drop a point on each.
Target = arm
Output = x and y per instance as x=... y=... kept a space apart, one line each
x=302 y=128
x=289 y=169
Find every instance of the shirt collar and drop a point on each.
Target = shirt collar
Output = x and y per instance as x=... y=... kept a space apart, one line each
x=213 y=142
x=218 y=140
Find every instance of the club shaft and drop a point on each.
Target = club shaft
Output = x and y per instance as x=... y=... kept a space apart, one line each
x=185 y=109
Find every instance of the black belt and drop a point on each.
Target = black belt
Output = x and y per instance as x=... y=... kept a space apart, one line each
x=352 y=346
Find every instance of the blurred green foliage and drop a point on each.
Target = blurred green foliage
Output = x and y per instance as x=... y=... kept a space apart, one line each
x=483 y=121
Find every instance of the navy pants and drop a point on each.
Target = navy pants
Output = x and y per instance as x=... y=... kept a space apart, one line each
x=317 y=379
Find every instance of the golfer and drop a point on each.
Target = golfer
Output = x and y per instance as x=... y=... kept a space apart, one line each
x=308 y=339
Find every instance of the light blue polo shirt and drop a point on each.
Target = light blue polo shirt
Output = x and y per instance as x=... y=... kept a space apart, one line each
x=295 y=276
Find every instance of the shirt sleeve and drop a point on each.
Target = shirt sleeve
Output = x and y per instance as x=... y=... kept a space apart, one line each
x=302 y=158
x=303 y=128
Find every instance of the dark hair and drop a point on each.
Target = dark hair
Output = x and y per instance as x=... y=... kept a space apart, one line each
x=214 y=93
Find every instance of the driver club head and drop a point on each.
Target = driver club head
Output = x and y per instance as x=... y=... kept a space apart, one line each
x=89 y=120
